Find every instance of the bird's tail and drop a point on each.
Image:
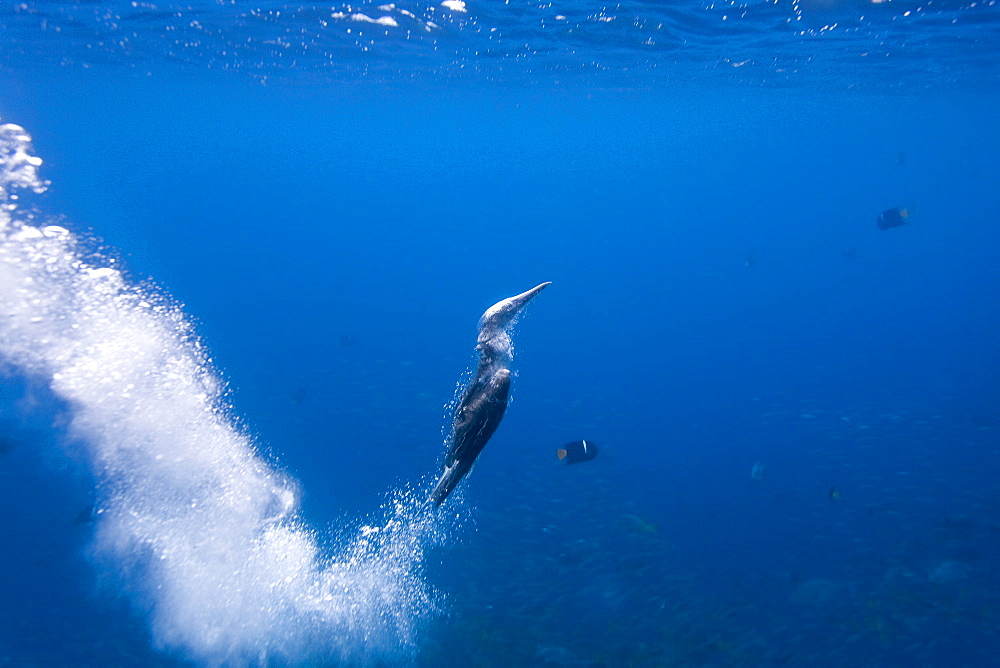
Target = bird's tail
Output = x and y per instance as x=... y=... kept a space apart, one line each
x=449 y=478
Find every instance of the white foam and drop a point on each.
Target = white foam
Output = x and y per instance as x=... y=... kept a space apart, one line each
x=382 y=20
x=18 y=167
x=193 y=524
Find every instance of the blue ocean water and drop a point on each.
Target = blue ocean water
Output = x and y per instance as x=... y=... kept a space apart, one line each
x=244 y=248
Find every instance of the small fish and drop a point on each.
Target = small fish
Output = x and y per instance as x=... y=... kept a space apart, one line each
x=88 y=515
x=890 y=218
x=576 y=452
x=635 y=524
x=834 y=494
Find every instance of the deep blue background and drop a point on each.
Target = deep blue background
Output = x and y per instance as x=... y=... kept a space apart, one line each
x=336 y=246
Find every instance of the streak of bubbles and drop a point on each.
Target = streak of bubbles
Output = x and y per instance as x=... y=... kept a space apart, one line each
x=190 y=521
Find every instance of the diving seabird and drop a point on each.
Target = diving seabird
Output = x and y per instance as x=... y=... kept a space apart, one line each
x=484 y=400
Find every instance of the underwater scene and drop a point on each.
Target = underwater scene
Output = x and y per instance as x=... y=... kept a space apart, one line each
x=500 y=333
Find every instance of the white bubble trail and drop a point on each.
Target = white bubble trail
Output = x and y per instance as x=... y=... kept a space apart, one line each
x=201 y=532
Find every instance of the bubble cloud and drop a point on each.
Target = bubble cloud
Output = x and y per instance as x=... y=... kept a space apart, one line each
x=193 y=525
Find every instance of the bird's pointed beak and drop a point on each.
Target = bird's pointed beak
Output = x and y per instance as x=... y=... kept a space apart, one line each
x=505 y=311
x=520 y=300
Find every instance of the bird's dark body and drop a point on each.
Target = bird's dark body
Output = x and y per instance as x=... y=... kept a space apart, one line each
x=479 y=413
